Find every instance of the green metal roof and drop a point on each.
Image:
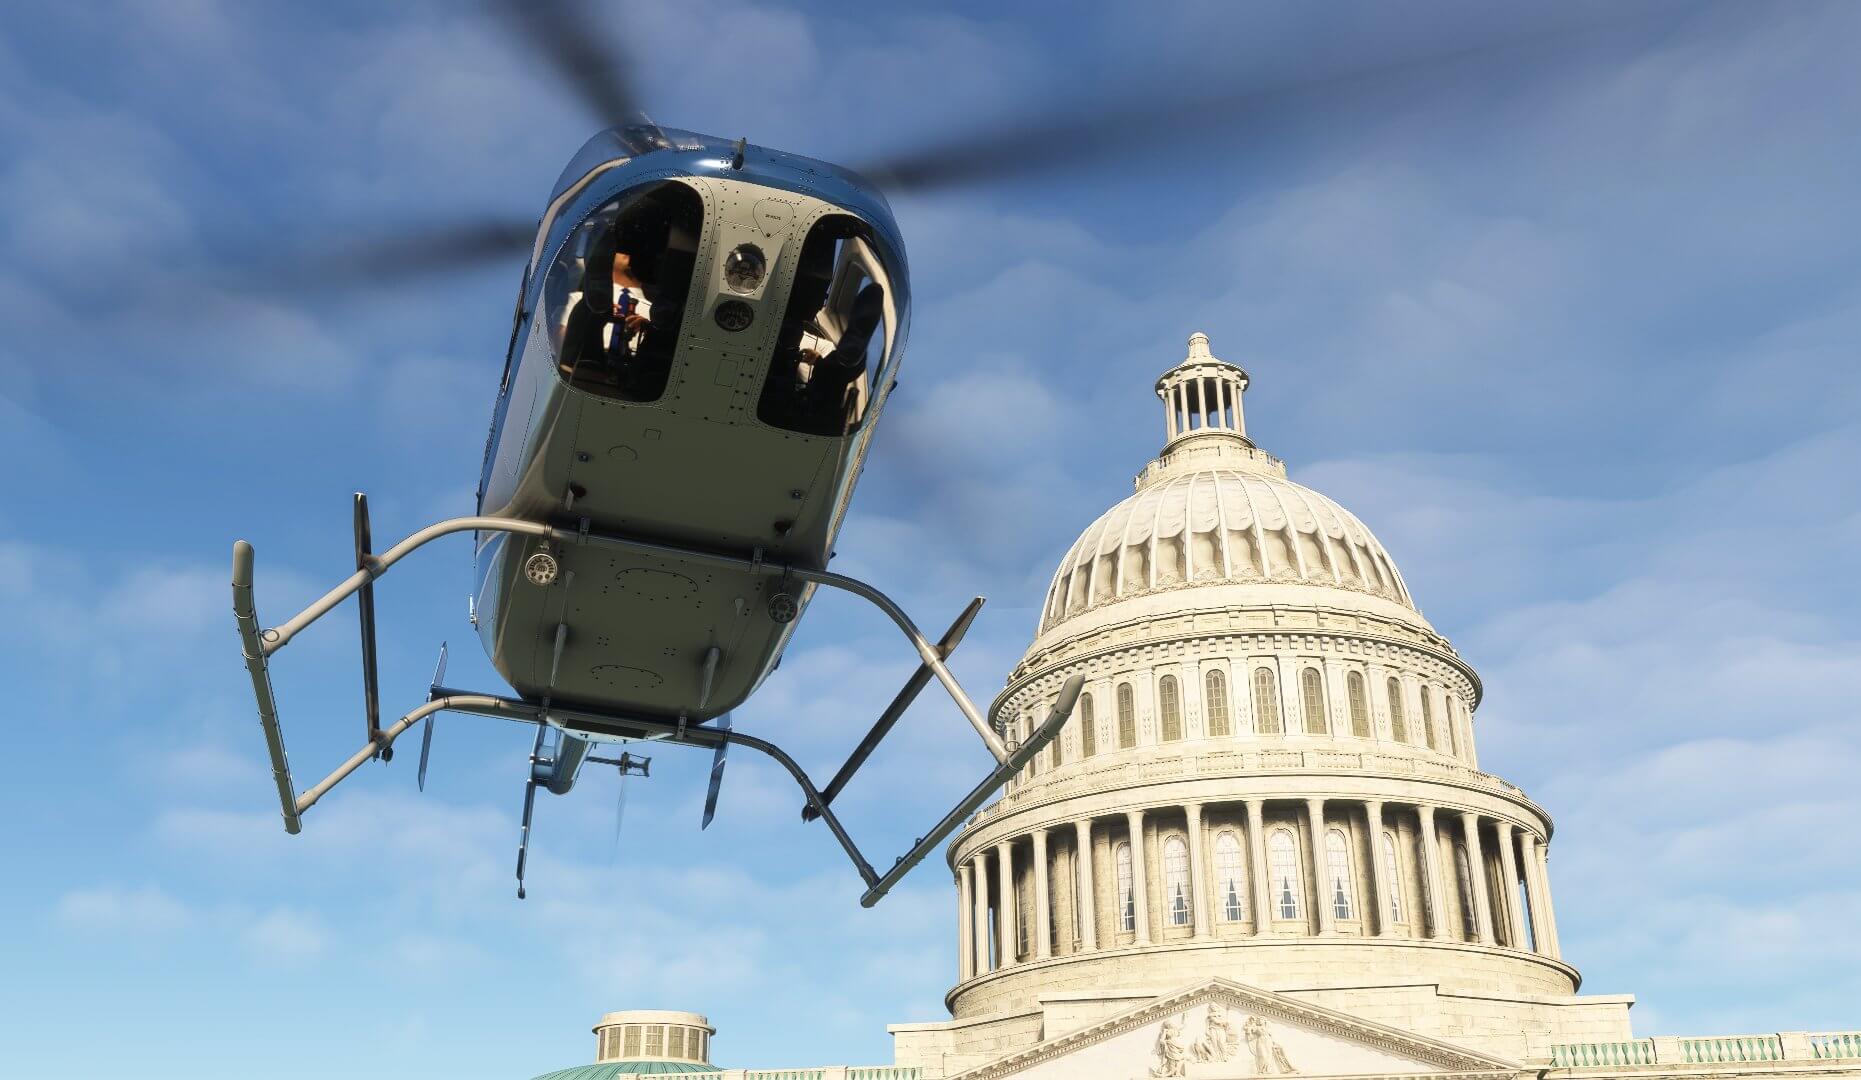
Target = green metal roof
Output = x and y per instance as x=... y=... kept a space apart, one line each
x=611 y=1069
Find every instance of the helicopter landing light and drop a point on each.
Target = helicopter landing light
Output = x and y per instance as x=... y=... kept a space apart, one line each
x=744 y=268
x=735 y=316
x=541 y=568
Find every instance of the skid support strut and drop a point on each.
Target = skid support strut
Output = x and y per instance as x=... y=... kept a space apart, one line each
x=259 y=645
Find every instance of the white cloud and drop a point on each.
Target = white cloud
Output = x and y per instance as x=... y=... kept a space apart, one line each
x=141 y=911
x=285 y=937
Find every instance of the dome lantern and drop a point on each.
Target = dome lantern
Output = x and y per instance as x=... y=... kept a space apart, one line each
x=1202 y=396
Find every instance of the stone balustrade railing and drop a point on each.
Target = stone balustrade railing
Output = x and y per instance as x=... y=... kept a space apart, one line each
x=1835 y=1044
x=1091 y=773
x=1716 y=1050
x=828 y=1072
x=1602 y=1054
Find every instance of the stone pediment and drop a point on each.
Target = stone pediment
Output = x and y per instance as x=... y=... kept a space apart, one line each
x=1222 y=1030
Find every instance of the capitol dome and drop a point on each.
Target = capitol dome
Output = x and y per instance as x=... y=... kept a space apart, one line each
x=1270 y=775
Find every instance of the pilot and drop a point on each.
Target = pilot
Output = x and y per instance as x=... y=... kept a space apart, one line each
x=830 y=375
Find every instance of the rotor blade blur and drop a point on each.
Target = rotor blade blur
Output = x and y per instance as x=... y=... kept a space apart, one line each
x=565 y=35
x=415 y=253
x=1116 y=124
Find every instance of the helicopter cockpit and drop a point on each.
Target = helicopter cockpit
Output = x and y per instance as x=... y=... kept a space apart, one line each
x=838 y=334
x=618 y=291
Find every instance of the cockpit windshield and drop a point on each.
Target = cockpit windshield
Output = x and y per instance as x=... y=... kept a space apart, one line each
x=616 y=293
x=837 y=334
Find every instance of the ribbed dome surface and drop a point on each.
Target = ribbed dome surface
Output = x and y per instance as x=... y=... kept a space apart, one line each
x=1219 y=525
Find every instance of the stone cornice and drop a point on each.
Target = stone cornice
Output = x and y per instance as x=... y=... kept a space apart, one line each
x=1022 y=968
x=1179 y=634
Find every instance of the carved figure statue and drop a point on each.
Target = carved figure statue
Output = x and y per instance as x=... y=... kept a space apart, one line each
x=1219 y=1039
x=1172 y=1052
x=1269 y=1059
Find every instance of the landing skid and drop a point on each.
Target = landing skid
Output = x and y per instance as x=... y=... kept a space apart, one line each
x=259 y=645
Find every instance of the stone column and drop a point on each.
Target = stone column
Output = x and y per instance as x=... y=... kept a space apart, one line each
x=1509 y=873
x=979 y=922
x=1431 y=871
x=965 y=945
x=1321 y=876
x=1257 y=858
x=1379 y=889
x=1544 y=889
x=1169 y=416
x=1086 y=917
x=1198 y=885
x=1476 y=868
x=1140 y=885
x=1005 y=930
x=1043 y=911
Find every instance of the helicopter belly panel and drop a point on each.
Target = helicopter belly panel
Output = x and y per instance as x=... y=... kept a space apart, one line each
x=634 y=630
x=734 y=486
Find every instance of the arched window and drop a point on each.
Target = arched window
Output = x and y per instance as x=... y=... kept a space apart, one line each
x=1127 y=717
x=1088 y=727
x=1397 y=729
x=1453 y=725
x=1342 y=895
x=1169 y=703
x=1392 y=877
x=1127 y=900
x=1230 y=878
x=1283 y=866
x=1053 y=753
x=1359 y=703
x=1215 y=701
x=1176 y=880
x=1312 y=682
x=1266 y=702
x=1428 y=718
x=1468 y=925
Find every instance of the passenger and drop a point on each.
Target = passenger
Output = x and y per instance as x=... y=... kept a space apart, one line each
x=610 y=316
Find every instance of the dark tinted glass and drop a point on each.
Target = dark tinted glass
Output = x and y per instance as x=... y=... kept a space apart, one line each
x=837 y=333
x=617 y=292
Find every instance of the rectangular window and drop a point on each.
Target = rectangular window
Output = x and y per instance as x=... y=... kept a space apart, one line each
x=632 y=1043
x=655 y=1041
x=675 y=1042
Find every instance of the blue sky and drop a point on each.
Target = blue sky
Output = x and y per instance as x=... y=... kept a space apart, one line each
x=1572 y=327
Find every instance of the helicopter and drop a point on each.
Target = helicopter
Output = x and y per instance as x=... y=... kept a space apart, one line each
x=705 y=337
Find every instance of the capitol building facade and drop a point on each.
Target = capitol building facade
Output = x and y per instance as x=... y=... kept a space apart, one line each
x=1263 y=845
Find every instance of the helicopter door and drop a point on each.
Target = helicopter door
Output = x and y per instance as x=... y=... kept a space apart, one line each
x=616 y=293
x=836 y=335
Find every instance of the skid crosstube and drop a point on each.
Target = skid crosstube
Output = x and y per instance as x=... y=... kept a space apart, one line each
x=258 y=646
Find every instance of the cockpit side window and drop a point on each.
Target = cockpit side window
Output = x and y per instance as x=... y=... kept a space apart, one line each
x=617 y=293
x=835 y=335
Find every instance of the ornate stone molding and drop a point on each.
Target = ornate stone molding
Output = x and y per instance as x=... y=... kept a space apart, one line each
x=1441 y=1059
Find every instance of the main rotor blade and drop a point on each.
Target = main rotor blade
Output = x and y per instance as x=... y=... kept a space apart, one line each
x=1117 y=125
x=565 y=34
x=415 y=252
